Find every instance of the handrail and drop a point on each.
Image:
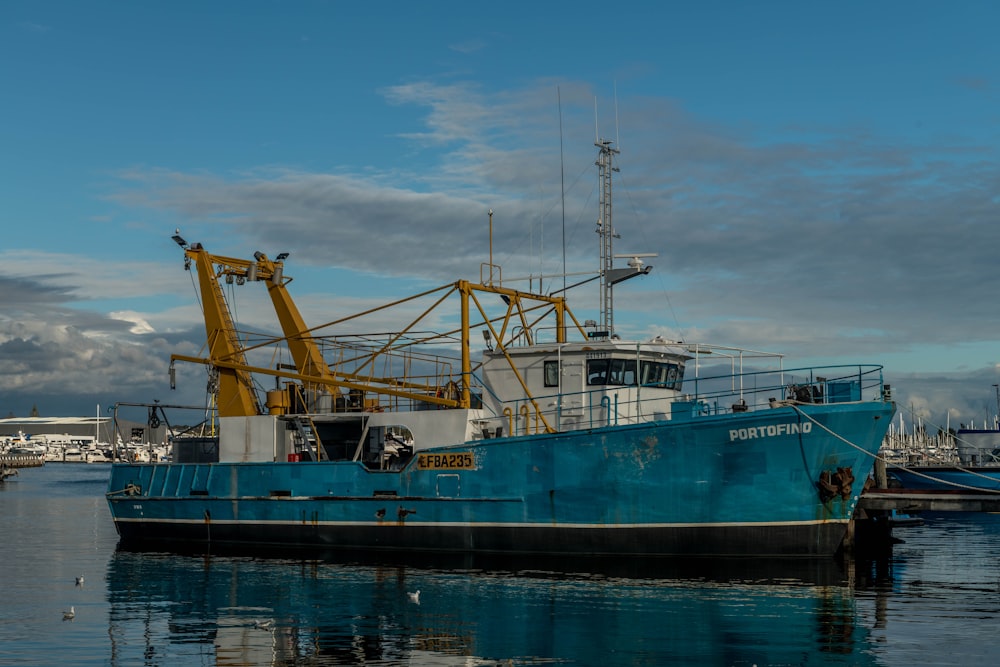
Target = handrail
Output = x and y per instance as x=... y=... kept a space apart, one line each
x=711 y=395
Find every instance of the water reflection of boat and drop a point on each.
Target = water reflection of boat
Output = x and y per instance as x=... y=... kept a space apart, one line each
x=750 y=569
x=563 y=438
x=356 y=610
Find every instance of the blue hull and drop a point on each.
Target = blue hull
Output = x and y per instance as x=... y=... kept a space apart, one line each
x=943 y=478
x=723 y=484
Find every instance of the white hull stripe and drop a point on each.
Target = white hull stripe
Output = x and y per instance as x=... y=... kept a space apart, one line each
x=483 y=524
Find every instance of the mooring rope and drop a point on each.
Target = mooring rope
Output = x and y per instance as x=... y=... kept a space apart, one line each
x=129 y=490
x=878 y=457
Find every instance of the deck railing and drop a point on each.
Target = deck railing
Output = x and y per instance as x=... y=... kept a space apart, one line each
x=705 y=395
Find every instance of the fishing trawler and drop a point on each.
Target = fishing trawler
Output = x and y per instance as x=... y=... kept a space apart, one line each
x=557 y=438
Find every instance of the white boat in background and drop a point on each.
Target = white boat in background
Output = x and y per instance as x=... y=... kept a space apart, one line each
x=72 y=454
x=96 y=456
x=978 y=447
x=22 y=445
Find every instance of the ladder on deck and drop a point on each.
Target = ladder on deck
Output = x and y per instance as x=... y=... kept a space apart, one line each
x=309 y=438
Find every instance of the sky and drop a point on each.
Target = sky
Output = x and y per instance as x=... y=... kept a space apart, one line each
x=815 y=179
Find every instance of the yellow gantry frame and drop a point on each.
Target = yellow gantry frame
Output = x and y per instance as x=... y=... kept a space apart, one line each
x=237 y=395
x=226 y=352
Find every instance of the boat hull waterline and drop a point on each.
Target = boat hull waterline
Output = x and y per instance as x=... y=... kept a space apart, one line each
x=715 y=484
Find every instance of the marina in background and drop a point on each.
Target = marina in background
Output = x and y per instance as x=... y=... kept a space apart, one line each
x=37 y=440
x=950 y=471
x=963 y=460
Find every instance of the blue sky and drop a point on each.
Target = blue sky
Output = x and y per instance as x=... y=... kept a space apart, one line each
x=818 y=179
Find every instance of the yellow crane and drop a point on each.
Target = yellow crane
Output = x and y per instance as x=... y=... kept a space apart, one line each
x=237 y=394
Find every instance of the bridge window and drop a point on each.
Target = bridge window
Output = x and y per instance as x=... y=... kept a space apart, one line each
x=661 y=375
x=597 y=371
x=622 y=372
x=611 y=371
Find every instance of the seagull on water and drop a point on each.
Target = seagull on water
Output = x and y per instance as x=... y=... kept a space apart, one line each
x=79 y=580
x=69 y=615
x=263 y=625
x=414 y=597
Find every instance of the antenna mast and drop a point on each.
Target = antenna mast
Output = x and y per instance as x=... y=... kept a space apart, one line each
x=562 y=196
x=606 y=230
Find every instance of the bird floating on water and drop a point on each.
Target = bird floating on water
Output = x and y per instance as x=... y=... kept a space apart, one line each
x=79 y=580
x=263 y=625
x=69 y=615
x=414 y=597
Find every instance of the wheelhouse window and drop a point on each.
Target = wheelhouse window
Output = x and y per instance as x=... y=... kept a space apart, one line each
x=552 y=373
x=661 y=374
x=622 y=372
x=597 y=371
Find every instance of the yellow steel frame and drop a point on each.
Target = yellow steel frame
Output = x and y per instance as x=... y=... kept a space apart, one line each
x=226 y=352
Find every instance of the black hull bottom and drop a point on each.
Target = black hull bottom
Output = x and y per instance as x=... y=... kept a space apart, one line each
x=819 y=571
x=821 y=539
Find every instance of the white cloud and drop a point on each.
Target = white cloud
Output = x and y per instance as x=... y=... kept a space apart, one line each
x=139 y=325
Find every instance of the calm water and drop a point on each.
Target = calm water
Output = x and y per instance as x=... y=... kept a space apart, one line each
x=936 y=602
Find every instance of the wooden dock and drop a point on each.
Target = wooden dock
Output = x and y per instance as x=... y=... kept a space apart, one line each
x=13 y=461
x=917 y=500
